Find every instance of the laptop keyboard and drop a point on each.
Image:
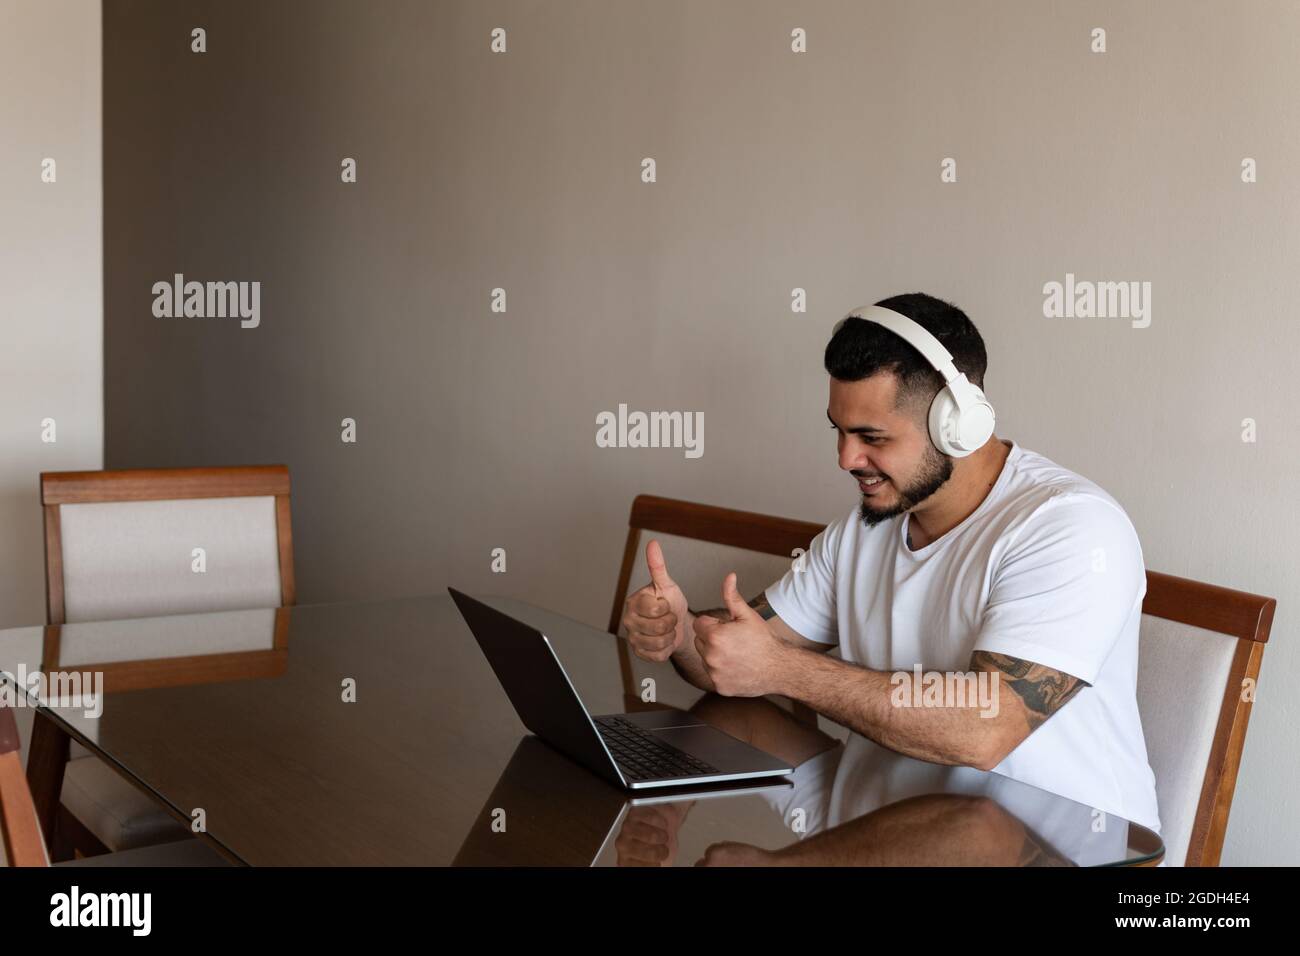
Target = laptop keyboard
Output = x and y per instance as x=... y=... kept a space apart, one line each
x=643 y=756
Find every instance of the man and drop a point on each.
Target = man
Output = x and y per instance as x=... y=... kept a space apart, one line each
x=998 y=563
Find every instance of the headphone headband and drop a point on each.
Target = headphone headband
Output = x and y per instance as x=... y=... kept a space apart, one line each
x=961 y=419
x=914 y=334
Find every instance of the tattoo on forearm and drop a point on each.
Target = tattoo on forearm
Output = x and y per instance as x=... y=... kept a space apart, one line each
x=764 y=609
x=1043 y=690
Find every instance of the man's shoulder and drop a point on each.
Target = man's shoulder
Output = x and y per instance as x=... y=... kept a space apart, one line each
x=1047 y=496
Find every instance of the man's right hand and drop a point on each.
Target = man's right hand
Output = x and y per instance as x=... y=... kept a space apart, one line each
x=656 y=617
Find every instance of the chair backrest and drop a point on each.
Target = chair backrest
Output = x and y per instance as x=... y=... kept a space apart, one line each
x=121 y=544
x=701 y=543
x=1198 y=662
x=20 y=833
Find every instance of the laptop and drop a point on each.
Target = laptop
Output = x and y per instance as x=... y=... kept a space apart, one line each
x=653 y=748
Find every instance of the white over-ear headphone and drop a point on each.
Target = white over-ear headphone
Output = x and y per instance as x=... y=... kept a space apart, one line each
x=961 y=418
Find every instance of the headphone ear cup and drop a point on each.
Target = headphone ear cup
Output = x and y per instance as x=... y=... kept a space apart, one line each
x=944 y=423
x=957 y=434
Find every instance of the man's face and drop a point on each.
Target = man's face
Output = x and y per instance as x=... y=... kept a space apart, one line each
x=875 y=441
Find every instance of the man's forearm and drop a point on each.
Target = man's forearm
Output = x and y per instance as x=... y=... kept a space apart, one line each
x=860 y=699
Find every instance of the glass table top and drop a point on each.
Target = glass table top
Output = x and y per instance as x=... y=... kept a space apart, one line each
x=375 y=733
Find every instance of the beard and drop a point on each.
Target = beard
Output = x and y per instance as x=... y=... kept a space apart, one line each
x=935 y=470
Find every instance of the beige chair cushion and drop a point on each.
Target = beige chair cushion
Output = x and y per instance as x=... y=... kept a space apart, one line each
x=1182 y=673
x=134 y=558
x=121 y=816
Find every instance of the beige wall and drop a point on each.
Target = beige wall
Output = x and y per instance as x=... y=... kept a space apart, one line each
x=775 y=171
x=51 y=258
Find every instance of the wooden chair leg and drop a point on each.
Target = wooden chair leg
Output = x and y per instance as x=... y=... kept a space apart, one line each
x=46 y=762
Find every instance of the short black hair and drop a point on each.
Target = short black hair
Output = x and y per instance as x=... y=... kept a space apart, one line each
x=859 y=349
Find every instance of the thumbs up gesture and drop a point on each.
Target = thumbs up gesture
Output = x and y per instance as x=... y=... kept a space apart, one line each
x=655 y=617
x=742 y=656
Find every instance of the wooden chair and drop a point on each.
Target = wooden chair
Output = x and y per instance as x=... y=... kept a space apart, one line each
x=120 y=544
x=701 y=543
x=1199 y=660
x=21 y=843
x=1200 y=649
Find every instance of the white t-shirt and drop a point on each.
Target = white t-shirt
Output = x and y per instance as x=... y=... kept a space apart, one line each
x=1048 y=569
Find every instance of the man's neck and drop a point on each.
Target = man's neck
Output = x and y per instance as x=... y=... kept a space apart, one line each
x=972 y=479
